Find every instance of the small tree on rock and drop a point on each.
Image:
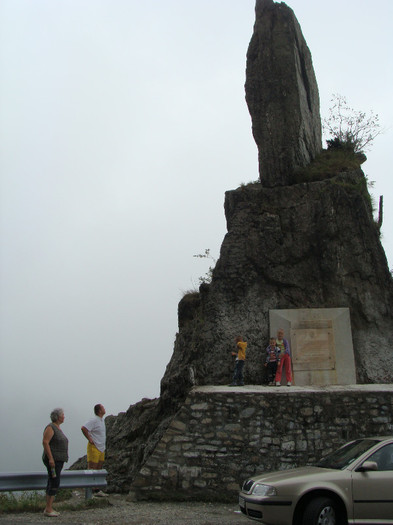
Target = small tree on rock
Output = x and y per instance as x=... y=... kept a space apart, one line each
x=350 y=129
x=207 y=278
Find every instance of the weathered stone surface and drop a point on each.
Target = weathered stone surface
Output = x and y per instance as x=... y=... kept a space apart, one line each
x=282 y=94
x=304 y=424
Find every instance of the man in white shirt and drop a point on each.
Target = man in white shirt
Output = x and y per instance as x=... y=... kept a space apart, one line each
x=95 y=432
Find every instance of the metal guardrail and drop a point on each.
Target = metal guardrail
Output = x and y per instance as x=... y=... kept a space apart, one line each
x=70 y=479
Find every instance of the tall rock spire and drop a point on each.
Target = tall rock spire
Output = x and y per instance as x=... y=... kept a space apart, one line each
x=282 y=94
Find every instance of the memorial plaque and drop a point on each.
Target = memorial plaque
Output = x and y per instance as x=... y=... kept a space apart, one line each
x=313 y=347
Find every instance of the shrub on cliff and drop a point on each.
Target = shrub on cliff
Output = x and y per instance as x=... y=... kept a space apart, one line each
x=350 y=129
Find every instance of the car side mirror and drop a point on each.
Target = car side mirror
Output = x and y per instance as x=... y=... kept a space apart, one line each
x=368 y=466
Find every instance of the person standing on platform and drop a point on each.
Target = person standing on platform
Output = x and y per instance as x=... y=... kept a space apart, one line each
x=285 y=358
x=272 y=357
x=241 y=347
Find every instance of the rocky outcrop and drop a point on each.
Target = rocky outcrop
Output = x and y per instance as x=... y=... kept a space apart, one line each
x=131 y=438
x=308 y=245
x=300 y=239
x=282 y=94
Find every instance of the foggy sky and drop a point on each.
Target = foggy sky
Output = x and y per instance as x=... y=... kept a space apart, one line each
x=122 y=125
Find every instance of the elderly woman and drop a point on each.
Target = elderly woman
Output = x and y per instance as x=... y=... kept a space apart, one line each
x=55 y=454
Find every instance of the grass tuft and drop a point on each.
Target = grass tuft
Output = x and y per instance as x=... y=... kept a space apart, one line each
x=33 y=501
x=328 y=164
x=24 y=502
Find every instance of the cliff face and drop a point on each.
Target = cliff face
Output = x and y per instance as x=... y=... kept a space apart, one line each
x=131 y=437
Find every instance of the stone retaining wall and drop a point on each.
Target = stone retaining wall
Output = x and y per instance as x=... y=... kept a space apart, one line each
x=223 y=435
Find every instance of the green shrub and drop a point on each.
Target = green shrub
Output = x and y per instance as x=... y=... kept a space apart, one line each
x=31 y=501
x=34 y=501
x=350 y=128
x=251 y=183
x=64 y=494
x=328 y=164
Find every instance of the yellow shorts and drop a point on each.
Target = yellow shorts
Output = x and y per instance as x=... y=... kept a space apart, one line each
x=94 y=455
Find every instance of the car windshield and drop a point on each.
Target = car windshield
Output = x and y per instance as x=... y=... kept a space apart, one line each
x=347 y=454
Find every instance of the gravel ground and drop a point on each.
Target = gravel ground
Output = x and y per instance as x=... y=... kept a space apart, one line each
x=122 y=512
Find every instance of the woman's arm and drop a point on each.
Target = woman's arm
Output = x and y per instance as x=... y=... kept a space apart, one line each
x=48 y=434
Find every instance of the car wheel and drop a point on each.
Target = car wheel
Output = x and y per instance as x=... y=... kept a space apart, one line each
x=321 y=511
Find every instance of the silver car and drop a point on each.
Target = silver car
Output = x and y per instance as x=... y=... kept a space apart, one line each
x=353 y=485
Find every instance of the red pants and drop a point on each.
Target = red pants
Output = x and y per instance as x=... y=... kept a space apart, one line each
x=284 y=360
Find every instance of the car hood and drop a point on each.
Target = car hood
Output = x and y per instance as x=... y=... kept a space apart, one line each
x=286 y=476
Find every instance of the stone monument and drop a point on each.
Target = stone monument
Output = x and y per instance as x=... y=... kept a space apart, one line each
x=292 y=246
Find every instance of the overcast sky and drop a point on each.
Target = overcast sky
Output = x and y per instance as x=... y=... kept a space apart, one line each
x=122 y=125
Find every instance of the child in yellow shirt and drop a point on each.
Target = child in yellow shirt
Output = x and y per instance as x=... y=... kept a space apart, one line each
x=241 y=347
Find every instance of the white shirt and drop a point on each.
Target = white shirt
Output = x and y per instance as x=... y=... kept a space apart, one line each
x=97 y=430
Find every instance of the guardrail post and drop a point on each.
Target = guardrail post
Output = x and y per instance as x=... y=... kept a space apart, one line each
x=88 y=493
